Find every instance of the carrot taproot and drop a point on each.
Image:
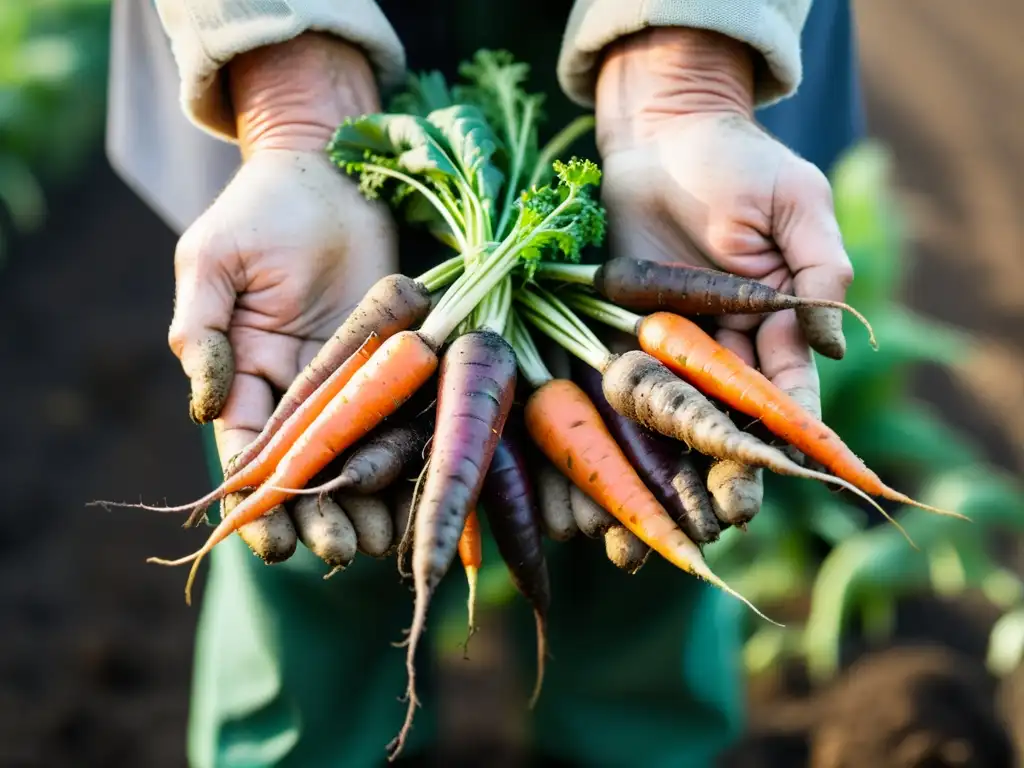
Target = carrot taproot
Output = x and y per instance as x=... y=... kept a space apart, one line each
x=259 y=469
x=389 y=378
x=664 y=468
x=647 y=286
x=378 y=461
x=392 y=304
x=471 y=554
x=567 y=427
x=642 y=388
x=476 y=385
x=511 y=510
x=682 y=346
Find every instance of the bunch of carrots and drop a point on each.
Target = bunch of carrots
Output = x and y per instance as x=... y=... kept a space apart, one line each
x=444 y=374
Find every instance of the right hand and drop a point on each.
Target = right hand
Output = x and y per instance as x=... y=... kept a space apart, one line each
x=275 y=264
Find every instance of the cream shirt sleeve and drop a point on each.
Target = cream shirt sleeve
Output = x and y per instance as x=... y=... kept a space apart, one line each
x=206 y=34
x=771 y=27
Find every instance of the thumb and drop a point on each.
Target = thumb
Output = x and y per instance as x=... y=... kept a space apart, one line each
x=203 y=304
x=808 y=235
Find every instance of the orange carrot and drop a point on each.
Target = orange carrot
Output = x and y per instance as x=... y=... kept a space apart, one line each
x=392 y=375
x=719 y=372
x=471 y=555
x=568 y=429
x=261 y=467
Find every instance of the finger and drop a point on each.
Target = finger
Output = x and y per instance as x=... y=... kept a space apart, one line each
x=808 y=235
x=204 y=301
x=270 y=356
x=785 y=358
x=271 y=537
x=247 y=409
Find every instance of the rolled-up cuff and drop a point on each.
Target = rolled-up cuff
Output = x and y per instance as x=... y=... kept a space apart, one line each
x=206 y=34
x=771 y=27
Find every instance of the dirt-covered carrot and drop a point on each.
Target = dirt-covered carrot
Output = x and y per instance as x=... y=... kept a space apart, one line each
x=660 y=463
x=624 y=549
x=377 y=389
x=325 y=530
x=736 y=491
x=471 y=554
x=693 y=354
x=508 y=501
x=646 y=286
x=255 y=472
x=477 y=381
x=568 y=429
x=378 y=461
x=392 y=304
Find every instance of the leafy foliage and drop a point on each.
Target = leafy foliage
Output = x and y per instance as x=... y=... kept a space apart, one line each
x=456 y=160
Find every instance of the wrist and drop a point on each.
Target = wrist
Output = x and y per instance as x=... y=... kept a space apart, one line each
x=667 y=72
x=293 y=95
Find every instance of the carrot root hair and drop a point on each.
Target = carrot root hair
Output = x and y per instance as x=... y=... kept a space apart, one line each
x=701 y=569
x=811 y=474
x=195 y=558
x=198 y=505
x=419 y=622
x=542 y=653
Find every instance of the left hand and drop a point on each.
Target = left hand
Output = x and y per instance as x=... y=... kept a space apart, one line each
x=689 y=176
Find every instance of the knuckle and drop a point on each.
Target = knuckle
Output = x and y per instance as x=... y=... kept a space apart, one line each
x=844 y=273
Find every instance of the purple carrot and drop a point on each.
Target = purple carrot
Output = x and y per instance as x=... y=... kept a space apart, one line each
x=511 y=510
x=475 y=389
x=660 y=462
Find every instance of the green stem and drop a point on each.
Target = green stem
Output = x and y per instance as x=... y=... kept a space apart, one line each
x=582 y=274
x=550 y=322
x=466 y=293
x=569 y=317
x=519 y=157
x=494 y=310
x=604 y=312
x=527 y=354
x=439 y=276
x=427 y=193
x=561 y=141
x=474 y=285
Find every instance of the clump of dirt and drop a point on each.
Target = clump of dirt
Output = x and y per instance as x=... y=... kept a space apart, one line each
x=912 y=707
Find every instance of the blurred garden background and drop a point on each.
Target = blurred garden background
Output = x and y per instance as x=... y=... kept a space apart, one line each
x=889 y=656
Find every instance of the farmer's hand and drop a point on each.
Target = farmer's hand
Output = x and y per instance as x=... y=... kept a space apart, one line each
x=278 y=260
x=689 y=176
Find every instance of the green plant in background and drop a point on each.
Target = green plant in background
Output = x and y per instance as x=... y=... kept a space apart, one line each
x=53 y=69
x=864 y=399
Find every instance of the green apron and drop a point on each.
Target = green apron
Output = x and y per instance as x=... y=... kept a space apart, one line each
x=298 y=672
